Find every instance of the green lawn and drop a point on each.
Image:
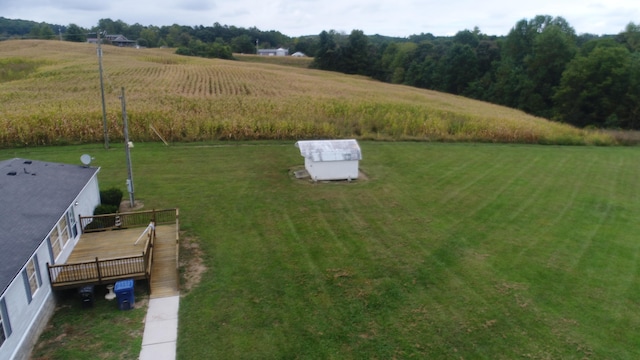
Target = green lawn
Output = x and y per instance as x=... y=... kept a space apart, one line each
x=100 y=332
x=444 y=251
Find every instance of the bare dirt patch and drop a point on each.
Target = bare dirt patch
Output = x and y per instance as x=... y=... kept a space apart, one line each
x=191 y=263
x=141 y=302
x=125 y=206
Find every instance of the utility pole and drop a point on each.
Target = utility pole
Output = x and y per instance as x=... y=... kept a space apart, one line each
x=104 y=109
x=127 y=149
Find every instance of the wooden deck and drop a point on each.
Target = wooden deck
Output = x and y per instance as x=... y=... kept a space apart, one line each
x=102 y=257
x=164 y=270
x=109 y=245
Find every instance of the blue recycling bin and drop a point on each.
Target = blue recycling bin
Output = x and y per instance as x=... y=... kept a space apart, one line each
x=124 y=294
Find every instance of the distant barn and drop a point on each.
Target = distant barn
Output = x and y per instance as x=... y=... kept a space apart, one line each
x=273 y=52
x=331 y=159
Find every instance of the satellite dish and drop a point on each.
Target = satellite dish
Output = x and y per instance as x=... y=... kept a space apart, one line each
x=85 y=159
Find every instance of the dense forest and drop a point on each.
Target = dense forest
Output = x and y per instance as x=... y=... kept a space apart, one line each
x=541 y=66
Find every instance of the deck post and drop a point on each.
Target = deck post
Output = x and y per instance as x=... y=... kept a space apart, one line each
x=98 y=269
x=49 y=272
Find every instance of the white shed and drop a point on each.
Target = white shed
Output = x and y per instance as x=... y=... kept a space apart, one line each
x=331 y=159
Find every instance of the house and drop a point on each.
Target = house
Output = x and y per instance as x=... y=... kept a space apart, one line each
x=120 y=40
x=331 y=159
x=117 y=40
x=273 y=52
x=39 y=223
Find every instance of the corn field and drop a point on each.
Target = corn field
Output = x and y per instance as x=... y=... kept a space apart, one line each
x=57 y=100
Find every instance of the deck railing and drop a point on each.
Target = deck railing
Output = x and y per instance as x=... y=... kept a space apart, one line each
x=97 y=271
x=105 y=270
x=127 y=220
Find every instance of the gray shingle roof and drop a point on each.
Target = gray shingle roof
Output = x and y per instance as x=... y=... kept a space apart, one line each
x=34 y=196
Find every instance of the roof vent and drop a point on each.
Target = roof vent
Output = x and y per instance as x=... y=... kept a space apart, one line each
x=12 y=173
x=28 y=162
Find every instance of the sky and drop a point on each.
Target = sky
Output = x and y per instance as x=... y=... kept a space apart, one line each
x=400 y=18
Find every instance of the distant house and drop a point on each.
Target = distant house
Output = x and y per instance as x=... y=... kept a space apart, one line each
x=120 y=40
x=117 y=40
x=273 y=52
x=39 y=218
x=331 y=159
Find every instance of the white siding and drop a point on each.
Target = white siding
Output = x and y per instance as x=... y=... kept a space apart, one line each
x=23 y=314
x=87 y=201
x=332 y=170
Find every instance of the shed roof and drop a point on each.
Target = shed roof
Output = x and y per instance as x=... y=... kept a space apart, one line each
x=35 y=195
x=330 y=150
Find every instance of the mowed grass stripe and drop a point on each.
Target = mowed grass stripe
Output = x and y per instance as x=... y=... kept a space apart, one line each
x=608 y=254
x=630 y=248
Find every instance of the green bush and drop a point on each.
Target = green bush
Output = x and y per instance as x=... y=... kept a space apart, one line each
x=103 y=209
x=112 y=196
x=103 y=222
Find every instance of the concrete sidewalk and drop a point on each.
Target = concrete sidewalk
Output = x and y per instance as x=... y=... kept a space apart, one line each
x=161 y=329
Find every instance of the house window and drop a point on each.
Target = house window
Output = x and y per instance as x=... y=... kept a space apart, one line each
x=31 y=274
x=56 y=246
x=5 y=324
x=31 y=277
x=64 y=230
x=2 y=335
x=59 y=237
x=72 y=223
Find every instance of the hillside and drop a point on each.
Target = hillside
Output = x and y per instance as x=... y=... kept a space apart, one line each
x=51 y=95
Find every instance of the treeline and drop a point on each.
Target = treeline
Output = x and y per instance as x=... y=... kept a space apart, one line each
x=541 y=67
x=190 y=40
x=20 y=29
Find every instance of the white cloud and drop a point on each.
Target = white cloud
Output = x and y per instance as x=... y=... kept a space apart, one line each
x=308 y=17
